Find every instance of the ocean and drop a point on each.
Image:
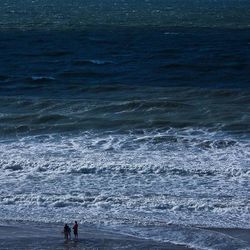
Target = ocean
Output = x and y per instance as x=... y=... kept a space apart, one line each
x=132 y=115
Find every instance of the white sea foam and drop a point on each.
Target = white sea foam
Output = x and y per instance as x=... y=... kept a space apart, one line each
x=171 y=33
x=39 y=78
x=100 y=62
x=145 y=178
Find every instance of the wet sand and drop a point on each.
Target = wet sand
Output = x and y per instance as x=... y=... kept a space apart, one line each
x=23 y=236
x=39 y=236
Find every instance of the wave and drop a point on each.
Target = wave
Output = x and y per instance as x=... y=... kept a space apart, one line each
x=190 y=109
x=171 y=33
x=94 y=62
x=141 y=143
x=42 y=78
x=57 y=53
x=128 y=178
x=55 y=118
x=86 y=74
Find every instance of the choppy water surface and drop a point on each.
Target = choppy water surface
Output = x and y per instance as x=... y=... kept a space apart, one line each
x=46 y=14
x=134 y=128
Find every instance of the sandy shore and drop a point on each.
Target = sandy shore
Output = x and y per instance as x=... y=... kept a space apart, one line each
x=39 y=236
x=49 y=236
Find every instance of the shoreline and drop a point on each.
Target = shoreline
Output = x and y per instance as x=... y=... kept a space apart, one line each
x=32 y=235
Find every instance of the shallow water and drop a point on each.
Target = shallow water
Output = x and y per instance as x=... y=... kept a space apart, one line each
x=49 y=236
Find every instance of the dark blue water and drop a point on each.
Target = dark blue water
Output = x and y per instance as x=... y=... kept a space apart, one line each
x=126 y=123
x=185 y=76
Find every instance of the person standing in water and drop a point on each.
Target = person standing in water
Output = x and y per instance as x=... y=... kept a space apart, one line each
x=69 y=232
x=75 y=229
x=66 y=230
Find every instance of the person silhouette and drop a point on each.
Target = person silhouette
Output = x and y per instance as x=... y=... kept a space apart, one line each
x=69 y=232
x=75 y=229
x=66 y=231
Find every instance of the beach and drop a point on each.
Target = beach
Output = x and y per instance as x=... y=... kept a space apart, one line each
x=50 y=236
x=24 y=235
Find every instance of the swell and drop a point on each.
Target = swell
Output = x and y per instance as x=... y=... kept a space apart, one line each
x=125 y=108
x=87 y=74
x=91 y=62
